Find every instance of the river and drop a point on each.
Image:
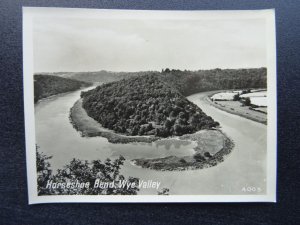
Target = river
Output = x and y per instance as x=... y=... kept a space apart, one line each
x=245 y=166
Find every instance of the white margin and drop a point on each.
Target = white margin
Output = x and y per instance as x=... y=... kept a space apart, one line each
x=30 y=12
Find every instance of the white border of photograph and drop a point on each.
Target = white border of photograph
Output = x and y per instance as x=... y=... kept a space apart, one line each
x=29 y=13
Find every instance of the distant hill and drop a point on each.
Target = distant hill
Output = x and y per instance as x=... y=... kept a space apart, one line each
x=149 y=103
x=144 y=105
x=187 y=82
x=153 y=103
x=102 y=76
x=191 y=82
x=46 y=85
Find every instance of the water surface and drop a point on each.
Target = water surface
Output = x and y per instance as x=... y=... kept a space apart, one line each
x=245 y=166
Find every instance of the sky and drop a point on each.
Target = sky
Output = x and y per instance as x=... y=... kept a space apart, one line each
x=93 y=44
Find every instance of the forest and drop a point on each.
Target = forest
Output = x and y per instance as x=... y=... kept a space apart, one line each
x=102 y=76
x=48 y=85
x=144 y=105
x=149 y=102
x=191 y=82
x=186 y=81
x=82 y=171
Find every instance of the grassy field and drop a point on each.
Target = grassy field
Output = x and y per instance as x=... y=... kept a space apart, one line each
x=235 y=107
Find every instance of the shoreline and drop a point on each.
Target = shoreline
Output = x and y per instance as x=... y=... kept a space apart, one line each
x=212 y=144
x=52 y=96
x=59 y=95
x=88 y=127
x=229 y=110
x=174 y=163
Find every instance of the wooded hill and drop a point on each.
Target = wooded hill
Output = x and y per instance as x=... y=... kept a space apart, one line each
x=46 y=85
x=144 y=105
x=102 y=76
x=149 y=103
x=191 y=82
x=187 y=82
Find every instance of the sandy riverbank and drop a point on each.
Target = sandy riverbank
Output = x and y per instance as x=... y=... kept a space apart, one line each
x=212 y=145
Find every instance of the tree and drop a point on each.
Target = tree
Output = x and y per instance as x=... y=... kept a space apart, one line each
x=207 y=154
x=124 y=109
x=135 y=130
x=182 y=115
x=173 y=114
x=162 y=132
x=177 y=129
x=167 y=70
x=43 y=171
x=181 y=121
x=236 y=97
x=168 y=124
x=142 y=130
x=85 y=172
x=247 y=102
x=198 y=157
x=149 y=127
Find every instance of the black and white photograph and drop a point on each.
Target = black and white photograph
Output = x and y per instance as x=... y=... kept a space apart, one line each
x=149 y=106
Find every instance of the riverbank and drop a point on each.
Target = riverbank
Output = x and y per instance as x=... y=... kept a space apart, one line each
x=212 y=148
x=54 y=96
x=246 y=163
x=234 y=107
x=50 y=85
x=88 y=127
x=211 y=145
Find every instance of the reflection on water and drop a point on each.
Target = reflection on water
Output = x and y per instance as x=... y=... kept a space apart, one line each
x=168 y=143
x=57 y=137
x=156 y=149
x=245 y=166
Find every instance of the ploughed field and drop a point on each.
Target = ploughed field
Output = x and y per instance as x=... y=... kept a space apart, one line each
x=144 y=105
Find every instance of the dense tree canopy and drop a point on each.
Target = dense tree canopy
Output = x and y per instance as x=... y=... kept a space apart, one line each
x=78 y=171
x=150 y=103
x=144 y=105
x=190 y=82
x=47 y=85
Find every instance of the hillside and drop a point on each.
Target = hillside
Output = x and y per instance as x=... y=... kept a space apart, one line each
x=144 y=105
x=102 y=76
x=191 y=82
x=46 y=85
x=186 y=82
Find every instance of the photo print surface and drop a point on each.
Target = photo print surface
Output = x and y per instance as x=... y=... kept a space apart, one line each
x=149 y=106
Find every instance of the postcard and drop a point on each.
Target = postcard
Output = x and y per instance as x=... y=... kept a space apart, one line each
x=149 y=106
